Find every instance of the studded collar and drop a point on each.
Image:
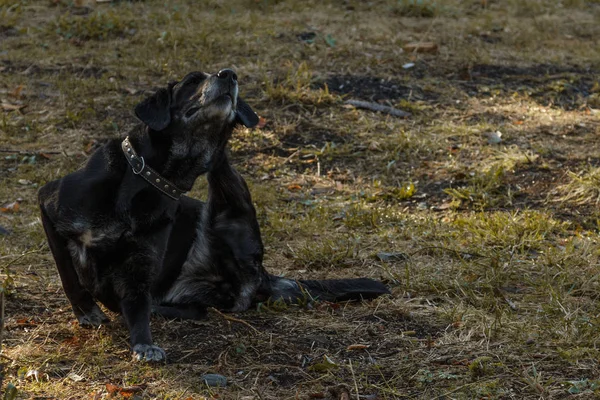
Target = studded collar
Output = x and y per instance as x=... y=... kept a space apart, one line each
x=139 y=167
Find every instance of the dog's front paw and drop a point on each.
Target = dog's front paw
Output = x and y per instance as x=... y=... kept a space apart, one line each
x=148 y=352
x=93 y=318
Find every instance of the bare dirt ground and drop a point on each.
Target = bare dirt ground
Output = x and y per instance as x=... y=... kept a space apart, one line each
x=480 y=211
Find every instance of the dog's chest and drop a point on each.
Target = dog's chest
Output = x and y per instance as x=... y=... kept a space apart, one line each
x=90 y=241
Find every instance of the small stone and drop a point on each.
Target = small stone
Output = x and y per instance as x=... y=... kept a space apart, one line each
x=214 y=380
x=494 y=137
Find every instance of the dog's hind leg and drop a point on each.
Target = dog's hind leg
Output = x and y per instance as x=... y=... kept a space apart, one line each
x=85 y=308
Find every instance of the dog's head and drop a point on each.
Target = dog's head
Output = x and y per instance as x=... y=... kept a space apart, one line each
x=199 y=98
x=201 y=108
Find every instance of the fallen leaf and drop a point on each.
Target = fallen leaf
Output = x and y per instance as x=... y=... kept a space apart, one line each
x=13 y=107
x=445 y=206
x=10 y=207
x=90 y=146
x=26 y=322
x=326 y=365
x=96 y=395
x=294 y=186
x=357 y=347
x=35 y=374
x=112 y=389
x=125 y=392
x=72 y=341
x=130 y=391
x=17 y=92
x=320 y=188
x=345 y=395
x=421 y=47
x=74 y=377
x=261 y=122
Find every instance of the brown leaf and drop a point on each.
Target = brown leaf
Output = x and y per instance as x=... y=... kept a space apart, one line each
x=421 y=47
x=96 y=395
x=17 y=92
x=90 y=146
x=72 y=341
x=13 y=107
x=294 y=186
x=261 y=122
x=444 y=206
x=357 y=347
x=112 y=389
x=345 y=395
x=10 y=207
x=129 y=391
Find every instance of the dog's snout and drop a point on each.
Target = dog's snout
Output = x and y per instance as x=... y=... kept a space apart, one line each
x=227 y=74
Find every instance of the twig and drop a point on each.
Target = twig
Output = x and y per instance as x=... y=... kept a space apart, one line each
x=19 y=257
x=1 y=322
x=378 y=107
x=14 y=151
x=456 y=252
x=233 y=319
x=354 y=379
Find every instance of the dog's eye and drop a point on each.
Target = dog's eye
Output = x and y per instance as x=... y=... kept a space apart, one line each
x=191 y=111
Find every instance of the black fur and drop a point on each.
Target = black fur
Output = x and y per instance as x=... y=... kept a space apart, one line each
x=118 y=240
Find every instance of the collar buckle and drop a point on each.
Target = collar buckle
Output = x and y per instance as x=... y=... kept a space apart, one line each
x=139 y=167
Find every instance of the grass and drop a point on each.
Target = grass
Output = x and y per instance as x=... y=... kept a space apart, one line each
x=490 y=249
x=582 y=188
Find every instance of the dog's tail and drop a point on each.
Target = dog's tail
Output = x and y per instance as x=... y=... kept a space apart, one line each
x=334 y=290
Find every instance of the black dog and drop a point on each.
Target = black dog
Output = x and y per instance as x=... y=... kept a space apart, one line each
x=122 y=234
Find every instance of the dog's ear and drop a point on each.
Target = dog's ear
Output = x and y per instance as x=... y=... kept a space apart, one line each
x=245 y=114
x=155 y=111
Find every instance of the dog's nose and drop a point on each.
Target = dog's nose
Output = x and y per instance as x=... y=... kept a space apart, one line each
x=227 y=74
